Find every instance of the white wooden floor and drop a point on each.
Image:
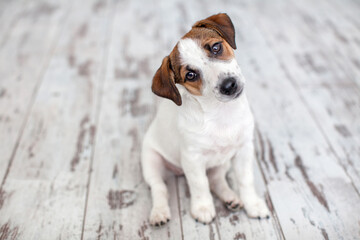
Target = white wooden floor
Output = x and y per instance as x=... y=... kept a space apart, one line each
x=75 y=102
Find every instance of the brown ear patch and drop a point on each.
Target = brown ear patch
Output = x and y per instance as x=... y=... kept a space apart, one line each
x=222 y=24
x=163 y=83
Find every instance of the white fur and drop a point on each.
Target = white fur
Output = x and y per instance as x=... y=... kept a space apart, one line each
x=201 y=137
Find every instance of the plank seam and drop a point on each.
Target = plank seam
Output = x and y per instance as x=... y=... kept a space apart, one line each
x=179 y=209
x=98 y=111
x=276 y=221
x=217 y=227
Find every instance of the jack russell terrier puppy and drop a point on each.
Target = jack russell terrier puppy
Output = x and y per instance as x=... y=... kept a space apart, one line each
x=210 y=126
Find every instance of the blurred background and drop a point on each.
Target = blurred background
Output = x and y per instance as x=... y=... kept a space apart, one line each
x=75 y=101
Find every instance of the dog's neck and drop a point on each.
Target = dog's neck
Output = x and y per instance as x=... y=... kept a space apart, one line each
x=199 y=111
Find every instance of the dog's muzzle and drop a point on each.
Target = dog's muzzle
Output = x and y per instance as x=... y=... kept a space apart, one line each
x=230 y=87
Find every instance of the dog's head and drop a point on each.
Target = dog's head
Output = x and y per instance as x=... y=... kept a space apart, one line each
x=203 y=62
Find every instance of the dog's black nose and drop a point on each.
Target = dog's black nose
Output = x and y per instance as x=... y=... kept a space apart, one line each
x=228 y=86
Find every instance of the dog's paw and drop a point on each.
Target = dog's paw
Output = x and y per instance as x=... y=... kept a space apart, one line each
x=203 y=211
x=256 y=208
x=234 y=204
x=232 y=201
x=159 y=216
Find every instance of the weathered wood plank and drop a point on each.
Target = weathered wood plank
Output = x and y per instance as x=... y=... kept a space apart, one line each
x=127 y=108
x=328 y=92
x=10 y=14
x=295 y=151
x=46 y=188
x=24 y=57
x=342 y=22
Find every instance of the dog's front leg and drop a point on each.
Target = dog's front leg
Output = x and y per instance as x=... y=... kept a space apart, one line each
x=202 y=206
x=255 y=206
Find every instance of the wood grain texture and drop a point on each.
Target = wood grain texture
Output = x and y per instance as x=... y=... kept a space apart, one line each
x=75 y=102
x=45 y=194
x=24 y=57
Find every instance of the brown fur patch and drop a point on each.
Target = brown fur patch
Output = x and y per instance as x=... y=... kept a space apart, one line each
x=227 y=51
x=192 y=87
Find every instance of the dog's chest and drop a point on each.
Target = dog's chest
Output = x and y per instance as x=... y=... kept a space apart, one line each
x=215 y=136
x=219 y=142
x=220 y=146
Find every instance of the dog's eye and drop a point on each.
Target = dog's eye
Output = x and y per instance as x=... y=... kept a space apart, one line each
x=216 y=48
x=191 y=76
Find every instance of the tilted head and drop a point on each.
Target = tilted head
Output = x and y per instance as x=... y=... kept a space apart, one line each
x=203 y=62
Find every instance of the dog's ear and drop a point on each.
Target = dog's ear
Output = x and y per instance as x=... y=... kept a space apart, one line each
x=163 y=83
x=222 y=24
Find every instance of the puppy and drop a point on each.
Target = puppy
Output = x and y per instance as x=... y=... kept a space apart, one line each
x=209 y=125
